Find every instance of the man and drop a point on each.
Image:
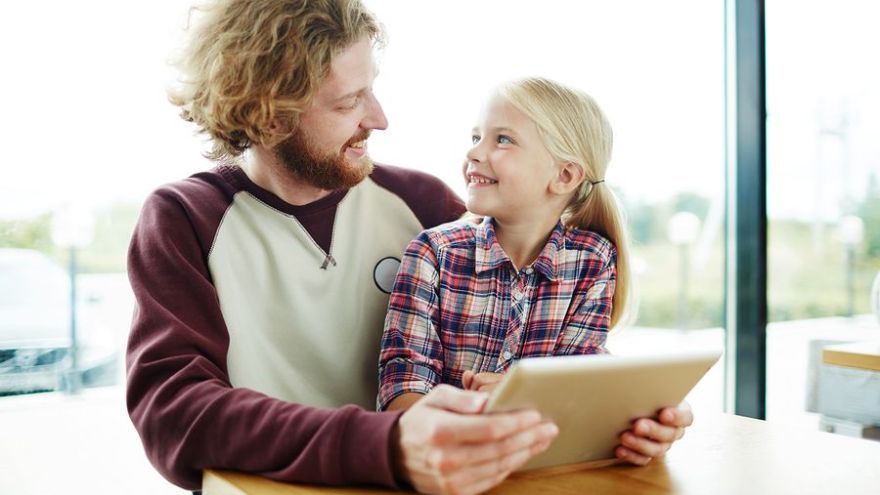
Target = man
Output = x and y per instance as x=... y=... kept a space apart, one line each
x=261 y=285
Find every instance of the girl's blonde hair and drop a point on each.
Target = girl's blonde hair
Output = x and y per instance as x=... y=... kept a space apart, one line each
x=574 y=129
x=250 y=62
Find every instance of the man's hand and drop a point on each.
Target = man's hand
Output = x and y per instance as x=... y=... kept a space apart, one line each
x=480 y=382
x=649 y=438
x=442 y=444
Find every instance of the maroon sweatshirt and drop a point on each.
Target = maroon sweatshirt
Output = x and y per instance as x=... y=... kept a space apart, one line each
x=256 y=331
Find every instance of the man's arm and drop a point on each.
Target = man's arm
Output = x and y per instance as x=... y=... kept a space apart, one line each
x=181 y=402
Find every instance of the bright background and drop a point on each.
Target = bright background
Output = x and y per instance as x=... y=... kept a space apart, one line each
x=86 y=125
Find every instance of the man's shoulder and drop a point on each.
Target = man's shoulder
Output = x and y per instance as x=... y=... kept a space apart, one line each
x=432 y=201
x=395 y=178
x=195 y=203
x=221 y=180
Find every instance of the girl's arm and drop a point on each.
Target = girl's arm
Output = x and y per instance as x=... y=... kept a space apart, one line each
x=403 y=401
x=411 y=356
x=590 y=317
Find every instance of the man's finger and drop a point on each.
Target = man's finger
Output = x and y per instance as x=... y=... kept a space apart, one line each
x=483 y=476
x=459 y=429
x=535 y=439
x=456 y=400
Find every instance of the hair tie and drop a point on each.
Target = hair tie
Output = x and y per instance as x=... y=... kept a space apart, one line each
x=597 y=182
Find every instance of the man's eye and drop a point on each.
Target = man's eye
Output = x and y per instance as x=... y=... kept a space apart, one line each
x=475 y=139
x=502 y=139
x=350 y=105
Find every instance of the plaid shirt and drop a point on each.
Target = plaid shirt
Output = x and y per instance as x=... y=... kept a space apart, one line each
x=459 y=304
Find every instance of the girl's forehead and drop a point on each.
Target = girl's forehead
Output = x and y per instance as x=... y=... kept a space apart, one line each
x=499 y=112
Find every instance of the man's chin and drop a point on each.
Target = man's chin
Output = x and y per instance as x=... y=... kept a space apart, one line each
x=361 y=167
x=348 y=174
x=330 y=173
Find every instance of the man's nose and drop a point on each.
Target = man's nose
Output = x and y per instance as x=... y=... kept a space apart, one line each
x=375 y=117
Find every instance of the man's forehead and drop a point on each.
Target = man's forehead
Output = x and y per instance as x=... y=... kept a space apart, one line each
x=351 y=72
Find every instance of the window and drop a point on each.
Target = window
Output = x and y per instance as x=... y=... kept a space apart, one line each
x=823 y=190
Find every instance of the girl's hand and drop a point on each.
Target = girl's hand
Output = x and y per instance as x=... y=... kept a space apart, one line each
x=480 y=382
x=650 y=438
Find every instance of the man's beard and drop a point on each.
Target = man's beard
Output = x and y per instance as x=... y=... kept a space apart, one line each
x=328 y=172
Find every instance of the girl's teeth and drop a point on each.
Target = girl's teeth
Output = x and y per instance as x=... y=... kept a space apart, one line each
x=477 y=180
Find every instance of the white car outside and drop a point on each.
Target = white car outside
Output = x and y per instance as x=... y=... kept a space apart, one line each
x=35 y=327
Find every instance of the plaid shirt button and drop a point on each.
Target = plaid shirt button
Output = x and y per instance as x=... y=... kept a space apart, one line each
x=507 y=355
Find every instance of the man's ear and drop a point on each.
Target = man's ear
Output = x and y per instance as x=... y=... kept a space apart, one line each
x=278 y=131
x=568 y=178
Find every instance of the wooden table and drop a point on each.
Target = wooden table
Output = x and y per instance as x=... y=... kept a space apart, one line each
x=720 y=455
x=859 y=355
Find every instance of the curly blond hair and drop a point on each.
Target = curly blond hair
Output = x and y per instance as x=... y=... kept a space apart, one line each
x=250 y=62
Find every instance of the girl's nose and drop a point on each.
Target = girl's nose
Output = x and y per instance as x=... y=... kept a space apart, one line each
x=475 y=154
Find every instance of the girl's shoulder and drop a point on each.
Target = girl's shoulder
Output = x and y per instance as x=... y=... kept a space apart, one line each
x=591 y=242
x=452 y=234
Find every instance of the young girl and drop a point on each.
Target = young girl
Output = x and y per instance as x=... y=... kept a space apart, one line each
x=545 y=272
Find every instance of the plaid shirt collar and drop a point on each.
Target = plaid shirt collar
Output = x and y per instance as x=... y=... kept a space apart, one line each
x=490 y=255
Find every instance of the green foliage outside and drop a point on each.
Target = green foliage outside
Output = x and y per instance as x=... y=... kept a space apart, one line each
x=869 y=211
x=106 y=253
x=659 y=287
x=29 y=234
x=807 y=267
x=807 y=272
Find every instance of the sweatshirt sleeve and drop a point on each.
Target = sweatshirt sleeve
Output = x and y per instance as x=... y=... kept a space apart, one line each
x=179 y=396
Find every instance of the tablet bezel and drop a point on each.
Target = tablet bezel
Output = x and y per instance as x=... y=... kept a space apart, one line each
x=594 y=398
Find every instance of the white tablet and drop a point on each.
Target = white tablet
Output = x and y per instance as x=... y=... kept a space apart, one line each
x=593 y=399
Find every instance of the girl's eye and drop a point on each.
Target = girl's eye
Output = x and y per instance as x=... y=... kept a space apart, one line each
x=502 y=139
x=475 y=139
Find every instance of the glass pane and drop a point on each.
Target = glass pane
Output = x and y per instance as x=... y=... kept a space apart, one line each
x=823 y=92
x=88 y=127
x=659 y=75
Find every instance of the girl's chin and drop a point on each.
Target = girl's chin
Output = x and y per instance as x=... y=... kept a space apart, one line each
x=478 y=209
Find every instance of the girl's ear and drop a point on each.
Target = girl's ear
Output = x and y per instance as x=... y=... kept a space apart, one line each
x=568 y=179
